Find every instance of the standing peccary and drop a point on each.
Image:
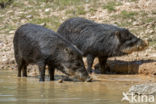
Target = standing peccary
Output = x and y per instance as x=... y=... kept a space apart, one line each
x=100 y=40
x=34 y=44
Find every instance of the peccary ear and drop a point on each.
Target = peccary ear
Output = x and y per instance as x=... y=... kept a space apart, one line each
x=117 y=33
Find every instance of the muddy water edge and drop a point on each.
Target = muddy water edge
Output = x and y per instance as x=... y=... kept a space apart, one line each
x=105 y=89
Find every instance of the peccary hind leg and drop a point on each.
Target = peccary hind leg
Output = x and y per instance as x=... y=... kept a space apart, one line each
x=103 y=65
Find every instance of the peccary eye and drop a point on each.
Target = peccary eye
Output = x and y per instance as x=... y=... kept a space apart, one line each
x=69 y=51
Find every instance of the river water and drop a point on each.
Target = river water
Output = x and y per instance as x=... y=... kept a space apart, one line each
x=105 y=89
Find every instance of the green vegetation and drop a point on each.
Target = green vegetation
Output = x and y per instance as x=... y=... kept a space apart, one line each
x=76 y=11
x=51 y=22
x=126 y=18
x=81 y=11
x=62 y=4
x=47 y=1
x=54 y=12
x=149 y=19
x=92 y=10
x=128 y=14
x=110 y=6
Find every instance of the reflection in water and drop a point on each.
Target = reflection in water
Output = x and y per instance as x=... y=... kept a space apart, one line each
x=21 y=90
x=29 y=90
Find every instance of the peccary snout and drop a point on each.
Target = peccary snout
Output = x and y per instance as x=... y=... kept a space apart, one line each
x=143 y=45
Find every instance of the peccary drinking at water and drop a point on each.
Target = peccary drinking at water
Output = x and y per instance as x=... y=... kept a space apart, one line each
x=100 y=40
x=34 y=44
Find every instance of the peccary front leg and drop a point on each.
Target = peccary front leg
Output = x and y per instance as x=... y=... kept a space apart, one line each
x=25 y=70
x=90 y=60
x=41 y=66
x=102 y=64
x=51 y=70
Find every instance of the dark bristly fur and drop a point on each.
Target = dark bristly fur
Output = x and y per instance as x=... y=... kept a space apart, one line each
x=34 y=44
x=99 y=40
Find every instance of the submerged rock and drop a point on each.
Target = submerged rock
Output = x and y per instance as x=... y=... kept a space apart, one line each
x=144 y=89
